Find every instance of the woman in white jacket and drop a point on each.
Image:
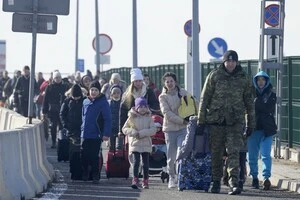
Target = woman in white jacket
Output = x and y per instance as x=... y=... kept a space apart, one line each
x=174 y=126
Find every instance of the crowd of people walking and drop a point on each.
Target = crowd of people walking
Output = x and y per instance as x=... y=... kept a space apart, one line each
x=237 y=111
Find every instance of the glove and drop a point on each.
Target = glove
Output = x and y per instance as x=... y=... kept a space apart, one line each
x=120 y=134
x=248 y=131
x=200 y=129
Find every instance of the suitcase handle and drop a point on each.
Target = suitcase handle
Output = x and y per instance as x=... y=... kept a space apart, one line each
x=205 y=136
x=124 y=146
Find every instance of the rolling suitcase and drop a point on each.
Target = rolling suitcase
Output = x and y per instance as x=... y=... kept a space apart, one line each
x=75 y=159
x=62 y=146
x=195 y=170
x=117 y=164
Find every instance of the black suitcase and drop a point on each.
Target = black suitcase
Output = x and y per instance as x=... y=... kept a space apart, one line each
x=62 y=146
x=75 y=159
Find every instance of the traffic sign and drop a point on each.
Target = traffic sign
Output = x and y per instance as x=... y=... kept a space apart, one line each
x=217 y=47
x=272 y=46
x=272 y=15
x=56 y=7
x=80 y=65
x=105 y=43
x=188 y=28
x=104 y=59
x=45 y=23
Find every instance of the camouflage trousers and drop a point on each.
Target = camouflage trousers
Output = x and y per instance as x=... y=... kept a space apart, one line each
x=229 y=137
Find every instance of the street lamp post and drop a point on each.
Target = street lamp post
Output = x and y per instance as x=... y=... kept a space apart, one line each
x=197 y=85
x=134 y=35
x=76 y=42
x=97 y=36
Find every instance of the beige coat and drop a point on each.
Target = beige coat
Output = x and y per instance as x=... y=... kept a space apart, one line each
x=144 y=125
x=169 y=103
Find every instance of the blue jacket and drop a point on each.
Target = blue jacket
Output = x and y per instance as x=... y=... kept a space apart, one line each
x=96 y=118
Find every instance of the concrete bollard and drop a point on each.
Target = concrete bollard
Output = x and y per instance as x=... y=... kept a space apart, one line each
x=286 y=153
x=43 y=155
x=24 y=168
x=3 y=116
x=14 y=176
x=40 y=180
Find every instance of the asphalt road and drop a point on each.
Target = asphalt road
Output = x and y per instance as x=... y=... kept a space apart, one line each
x=118 y=188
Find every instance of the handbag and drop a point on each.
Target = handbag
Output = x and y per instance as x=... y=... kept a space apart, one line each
x=187 y=107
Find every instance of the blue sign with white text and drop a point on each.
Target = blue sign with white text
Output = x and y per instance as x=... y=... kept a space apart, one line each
x=217 y=47
x=80 y=65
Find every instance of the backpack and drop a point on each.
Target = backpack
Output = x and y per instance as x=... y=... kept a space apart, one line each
x=187 y=107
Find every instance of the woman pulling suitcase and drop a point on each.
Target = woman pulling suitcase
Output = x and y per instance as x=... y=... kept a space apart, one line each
x=70 y=115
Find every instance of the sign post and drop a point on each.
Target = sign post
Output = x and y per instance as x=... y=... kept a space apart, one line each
x=104 y=45
x=35 y=23
x=189 y=70
x=2 y=55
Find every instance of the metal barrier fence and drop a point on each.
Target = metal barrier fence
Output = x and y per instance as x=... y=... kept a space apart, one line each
x=290 y=91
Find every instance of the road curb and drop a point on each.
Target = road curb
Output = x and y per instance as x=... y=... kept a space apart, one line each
x=285 y=183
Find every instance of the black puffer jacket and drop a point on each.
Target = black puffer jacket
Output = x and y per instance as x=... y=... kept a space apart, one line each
x=265 y=103
x=54 y=97
x=70 y=115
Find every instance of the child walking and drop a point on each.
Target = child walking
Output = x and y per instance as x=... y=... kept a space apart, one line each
x=139 y=128
x=114 y=103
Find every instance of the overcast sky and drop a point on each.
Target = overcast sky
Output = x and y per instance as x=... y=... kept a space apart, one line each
x=161 y=37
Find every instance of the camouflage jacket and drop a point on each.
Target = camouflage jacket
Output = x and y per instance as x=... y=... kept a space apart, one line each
x=227 y=99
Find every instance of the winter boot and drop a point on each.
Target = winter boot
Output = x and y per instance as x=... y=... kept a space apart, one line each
x=134 y=183
x=216 y=187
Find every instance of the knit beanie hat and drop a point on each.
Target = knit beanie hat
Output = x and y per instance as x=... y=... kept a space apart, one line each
x=116 y=87
x=56 y=74
x=230 y=55
x=141 y=101
x=76 y=91
x=136 y=74
x=95 y=84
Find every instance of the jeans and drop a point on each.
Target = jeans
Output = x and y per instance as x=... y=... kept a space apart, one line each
x=136 y=164
x=38 y=108
x=174 y=141
x=257 y=142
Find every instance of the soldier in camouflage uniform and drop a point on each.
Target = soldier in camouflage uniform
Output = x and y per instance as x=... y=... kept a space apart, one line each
x=227 y=106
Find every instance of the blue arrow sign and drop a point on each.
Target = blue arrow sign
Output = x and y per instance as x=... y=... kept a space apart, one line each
x=217 y=47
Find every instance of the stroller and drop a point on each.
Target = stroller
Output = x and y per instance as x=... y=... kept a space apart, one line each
x=158 y=157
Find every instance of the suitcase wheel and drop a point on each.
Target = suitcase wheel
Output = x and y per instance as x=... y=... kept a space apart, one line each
x=180 y=189
x=127 y=176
